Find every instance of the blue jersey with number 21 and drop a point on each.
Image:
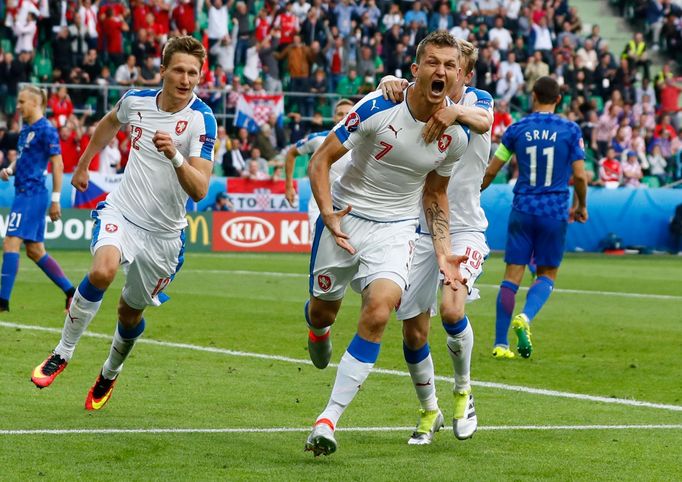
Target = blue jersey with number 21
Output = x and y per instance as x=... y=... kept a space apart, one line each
x=546 y=146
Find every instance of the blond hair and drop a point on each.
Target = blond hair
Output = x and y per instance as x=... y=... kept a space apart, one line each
x=184 y=45
x=37 y=91
x=470 y=53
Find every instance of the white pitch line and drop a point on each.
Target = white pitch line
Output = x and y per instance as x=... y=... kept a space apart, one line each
x=276 y=274
x=383 y=371
x=490 y=428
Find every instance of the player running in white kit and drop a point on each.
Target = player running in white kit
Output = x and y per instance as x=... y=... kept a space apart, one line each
x=140 y=226
x=308 y=145
x=467 y=227
x=366 y=230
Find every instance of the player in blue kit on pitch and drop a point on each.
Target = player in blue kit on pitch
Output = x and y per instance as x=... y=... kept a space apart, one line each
x=38 y=143
x=548 y=149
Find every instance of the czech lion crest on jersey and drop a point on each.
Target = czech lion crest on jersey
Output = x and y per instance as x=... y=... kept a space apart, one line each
x=324 y=282
x=352 y=122
x=180 y=127
x=444 y=142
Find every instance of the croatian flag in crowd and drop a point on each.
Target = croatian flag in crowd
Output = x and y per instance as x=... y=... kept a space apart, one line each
x=248 y=195
x=99 y=187
x=254 y=110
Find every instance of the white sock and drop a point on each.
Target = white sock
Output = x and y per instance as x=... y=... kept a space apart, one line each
x=80 y=314
x=119 y=351
x=423 y=379
x=460 y=347
x=350 y=375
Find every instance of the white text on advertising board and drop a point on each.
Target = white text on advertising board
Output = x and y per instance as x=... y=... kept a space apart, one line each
x=72 y=229
x=294 y=232
x=247 y=232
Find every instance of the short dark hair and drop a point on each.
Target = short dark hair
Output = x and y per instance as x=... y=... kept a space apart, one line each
x=546 y=90
x=439 y=38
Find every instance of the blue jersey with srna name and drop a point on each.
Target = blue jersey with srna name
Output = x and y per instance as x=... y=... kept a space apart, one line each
x=37 y=143
x=546 y=146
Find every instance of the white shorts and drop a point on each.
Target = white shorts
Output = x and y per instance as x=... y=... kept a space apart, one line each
x=150 y=260
x=383 y=251
x=313 y=214
x=424 y=278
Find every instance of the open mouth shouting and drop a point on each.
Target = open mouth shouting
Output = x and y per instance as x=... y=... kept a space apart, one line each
x=183 y=90
x=437 y=87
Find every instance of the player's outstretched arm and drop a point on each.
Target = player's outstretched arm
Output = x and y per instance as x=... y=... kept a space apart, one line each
x=328 y=153
x=194 y=174
x=55 y=211
x=104 y=132
x=436 y=210
x=580 y=192
x=289 y=163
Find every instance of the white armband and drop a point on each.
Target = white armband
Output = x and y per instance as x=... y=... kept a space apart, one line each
x=56 y=196
x=177 y=159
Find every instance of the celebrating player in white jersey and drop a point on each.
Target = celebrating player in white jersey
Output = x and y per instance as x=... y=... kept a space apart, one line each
x=467 y=226
x=140 y=226
x=366 y=230
x=308 y=145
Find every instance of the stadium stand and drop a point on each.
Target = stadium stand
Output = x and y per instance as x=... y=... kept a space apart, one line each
x=331 y=48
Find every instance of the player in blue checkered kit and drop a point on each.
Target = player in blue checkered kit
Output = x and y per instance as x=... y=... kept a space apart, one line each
x=549 y=149
x=38 y=144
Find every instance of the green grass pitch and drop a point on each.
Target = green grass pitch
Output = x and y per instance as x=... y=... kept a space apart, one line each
x=587 y=342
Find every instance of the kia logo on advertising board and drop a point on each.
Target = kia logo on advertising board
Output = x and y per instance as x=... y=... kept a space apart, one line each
x=247 y=231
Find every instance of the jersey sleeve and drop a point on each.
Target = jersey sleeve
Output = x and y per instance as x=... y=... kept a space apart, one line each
x=577 y=144
x=362 y=120
x=311 y=142
x=52 y=141
x=456 y=150
x=484 y=100
x=203 y=135
x=123 y=108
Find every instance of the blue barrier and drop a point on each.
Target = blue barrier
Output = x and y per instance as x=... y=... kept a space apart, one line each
x=640 y=217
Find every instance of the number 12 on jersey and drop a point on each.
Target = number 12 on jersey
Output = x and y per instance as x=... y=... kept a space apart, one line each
x=548 y=152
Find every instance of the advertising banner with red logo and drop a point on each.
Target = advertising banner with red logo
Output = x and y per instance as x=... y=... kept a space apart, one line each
x=261 y=232
x=248 y=195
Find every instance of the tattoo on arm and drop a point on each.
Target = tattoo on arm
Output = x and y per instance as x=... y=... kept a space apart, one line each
x=437 y=219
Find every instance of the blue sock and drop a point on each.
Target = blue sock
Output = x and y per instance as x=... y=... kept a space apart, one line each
x=456 y=328
x=506 y=299
x=10 y=268
x=538 y=294
x=415 y=356
x=89 y=291
x=53 y=271
x=364 y=350
x=132 y=333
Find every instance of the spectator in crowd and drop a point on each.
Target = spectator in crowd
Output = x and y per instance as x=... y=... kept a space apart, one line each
x=218 y=22
x=253 y=173
x=222 y=203
x=442 y=18
x=657 y=163
x=91 y=66
x=69 y=143
x=149 y=74
x=261 y=161
x=610 y=171
x=632 y=171
x=127 y=74
x=233 y=161
x=502 y=36
x=112 y=28
x=636 y=55
x=535 y=69
x=61 y=106
x=110 y=159
x=223 y=50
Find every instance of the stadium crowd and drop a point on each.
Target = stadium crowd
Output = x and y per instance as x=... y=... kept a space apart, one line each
x=629 y=117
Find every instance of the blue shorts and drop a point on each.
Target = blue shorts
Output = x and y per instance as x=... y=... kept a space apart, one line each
x=529 y=235
x=27 y=217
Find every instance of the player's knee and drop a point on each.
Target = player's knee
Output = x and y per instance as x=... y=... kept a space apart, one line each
x=34 y=252
x=376 y=312
x=321 y=316
x=127 y=316
x=102 y=275
x=415 y=337
x=452 y=314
